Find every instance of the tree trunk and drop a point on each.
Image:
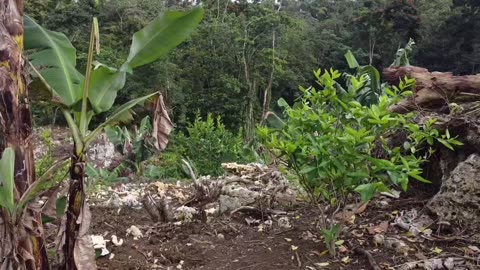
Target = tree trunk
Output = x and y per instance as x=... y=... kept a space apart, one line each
x=78 y=249
x=21 y=241
x=434 y=90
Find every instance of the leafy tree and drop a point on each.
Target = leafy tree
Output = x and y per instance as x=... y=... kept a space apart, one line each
x=335 y=145
x=454 y=44
x=384 y=26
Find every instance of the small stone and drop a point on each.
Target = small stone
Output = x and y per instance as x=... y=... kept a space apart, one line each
x=284 y=222
x=135 y=232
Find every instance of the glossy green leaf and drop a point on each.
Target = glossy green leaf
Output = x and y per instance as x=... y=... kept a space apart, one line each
x=104 y=86
x=54 y=57
x=7 y=181
x=282 y=103
x=367 y=191
x=446 y=144
x=416 y=175
x=162 y=35
x=352 y=62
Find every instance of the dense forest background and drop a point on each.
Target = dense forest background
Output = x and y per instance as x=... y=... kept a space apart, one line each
x=243 y=57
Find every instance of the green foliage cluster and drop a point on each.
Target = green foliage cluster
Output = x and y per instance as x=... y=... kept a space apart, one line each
x=44 y=163
x=206 y=145
x=136 y=146
x=335 y=145
x=226 y=65
x=98 y=176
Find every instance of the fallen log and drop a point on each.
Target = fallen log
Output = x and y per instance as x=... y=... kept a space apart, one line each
x=434 y=91
x=454 y=102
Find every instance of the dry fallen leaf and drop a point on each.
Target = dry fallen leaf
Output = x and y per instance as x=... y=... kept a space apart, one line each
x=342 y=249
x=474 y=248
x=345 y=215
x=288 y=239
x=437 y=250
x=135 y=232
x=420 y=256
x=324 y=264
x=323 y=253
x=380 y=228
x=294 y=247
x=339 y=242
x=346 y=259
x=361 y=208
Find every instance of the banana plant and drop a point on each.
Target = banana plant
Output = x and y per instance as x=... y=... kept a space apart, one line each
x=369 y=77
x=135 y=146
x=82 y=96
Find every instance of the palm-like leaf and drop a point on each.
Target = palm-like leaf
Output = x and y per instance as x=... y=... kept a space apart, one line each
x=104 y=86
x=149 y=44
x=162 y=35
x=55 y=58
x=372 y=89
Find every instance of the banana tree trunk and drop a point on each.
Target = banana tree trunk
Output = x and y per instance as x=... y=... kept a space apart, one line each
x=78 y=249
x=21 y=240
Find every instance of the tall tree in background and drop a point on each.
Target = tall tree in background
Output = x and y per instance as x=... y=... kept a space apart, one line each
x=454 y=45
x=384 y=26
x=21 y=238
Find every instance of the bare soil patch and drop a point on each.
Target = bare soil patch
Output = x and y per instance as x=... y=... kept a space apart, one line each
x=231 y=243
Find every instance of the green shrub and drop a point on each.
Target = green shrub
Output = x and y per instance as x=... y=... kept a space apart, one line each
x=47 y=160
x=208 y=144
x=166 y=167
x=99 y=176
x=336 y=146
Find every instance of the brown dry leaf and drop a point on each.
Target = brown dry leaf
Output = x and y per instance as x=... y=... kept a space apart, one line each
x=162 y=125
x=474 y=248
x=84 y=253
x=342 y=249
x=420 y=256
x=60 y=240
x=380 y=228
x=361 y=208
x=345 y=215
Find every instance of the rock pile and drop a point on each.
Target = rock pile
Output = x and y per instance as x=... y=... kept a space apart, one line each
x=251 y=187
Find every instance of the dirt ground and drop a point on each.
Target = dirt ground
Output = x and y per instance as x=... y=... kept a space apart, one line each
x=231 y=243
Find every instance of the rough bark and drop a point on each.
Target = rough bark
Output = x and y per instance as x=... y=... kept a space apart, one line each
x=21 y=240
x=434 y=90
